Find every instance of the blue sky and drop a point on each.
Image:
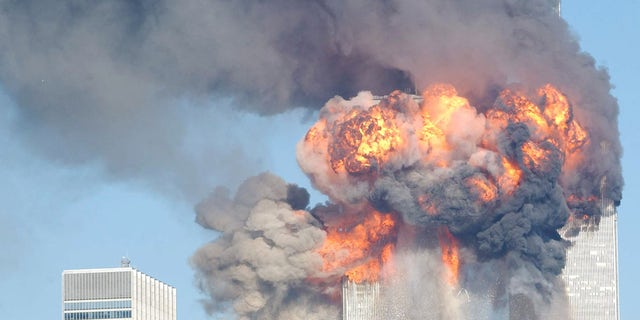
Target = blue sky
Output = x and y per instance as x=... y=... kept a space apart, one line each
x=606 y=30
x=57 y=217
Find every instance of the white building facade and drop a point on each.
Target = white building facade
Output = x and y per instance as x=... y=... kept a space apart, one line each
x=591 y=270
x=360 y=301
x=116 y=293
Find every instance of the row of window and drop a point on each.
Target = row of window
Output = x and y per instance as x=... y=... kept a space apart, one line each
x=98 y=315
x=97 y=285
x=89 y=305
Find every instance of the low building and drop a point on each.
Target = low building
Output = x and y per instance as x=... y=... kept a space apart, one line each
x=116 y=293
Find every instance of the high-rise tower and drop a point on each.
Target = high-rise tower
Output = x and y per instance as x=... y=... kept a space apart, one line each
x=116 y=293
x=591 y=271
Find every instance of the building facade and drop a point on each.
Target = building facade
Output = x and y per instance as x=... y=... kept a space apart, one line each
x=360 y=301
x=116 y=293
x=591 y=271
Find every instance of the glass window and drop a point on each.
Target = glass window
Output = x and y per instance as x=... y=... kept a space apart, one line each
x=98 y=315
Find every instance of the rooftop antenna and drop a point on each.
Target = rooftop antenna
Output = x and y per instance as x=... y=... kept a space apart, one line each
x=125 y=262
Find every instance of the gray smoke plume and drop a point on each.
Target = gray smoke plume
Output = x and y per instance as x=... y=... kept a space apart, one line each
x=98 y=81
x=264 y=254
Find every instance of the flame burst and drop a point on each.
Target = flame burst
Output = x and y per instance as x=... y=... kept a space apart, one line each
x=361 y=249
x=484 y=189
x=354 y=141
x=450 y=255
x=368 y=137
x=510 y=178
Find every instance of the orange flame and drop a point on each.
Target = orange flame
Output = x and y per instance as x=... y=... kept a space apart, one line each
x=556 y=107
x=525 y=111
x=576 y=137
x=510 y=179
x=535 y=157
x=450 y=255
x=440 y=103
x=483 y=188
x=559 y=112
x=361 y=250
x=365 y=139
x=430 y=132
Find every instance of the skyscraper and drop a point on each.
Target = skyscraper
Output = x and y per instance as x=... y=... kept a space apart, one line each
x=591 y=271
x=116 y=293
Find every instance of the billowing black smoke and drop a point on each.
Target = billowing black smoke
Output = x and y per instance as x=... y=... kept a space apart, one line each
x=523 y=226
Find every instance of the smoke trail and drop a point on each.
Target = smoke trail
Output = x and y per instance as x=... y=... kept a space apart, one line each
x=92 y=79
x=102 y=81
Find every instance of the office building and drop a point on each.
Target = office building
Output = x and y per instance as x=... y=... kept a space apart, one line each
x=116 y=293
x=591 y=271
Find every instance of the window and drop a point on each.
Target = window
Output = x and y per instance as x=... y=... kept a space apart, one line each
x=98 y=315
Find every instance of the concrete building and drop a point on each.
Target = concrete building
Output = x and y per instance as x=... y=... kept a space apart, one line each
x=591 y=271
x=116 y=293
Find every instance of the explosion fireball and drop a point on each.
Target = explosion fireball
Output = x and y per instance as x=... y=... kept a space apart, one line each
x=487 y=154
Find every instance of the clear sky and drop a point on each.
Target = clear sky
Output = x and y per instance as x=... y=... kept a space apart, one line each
x=55 y=217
